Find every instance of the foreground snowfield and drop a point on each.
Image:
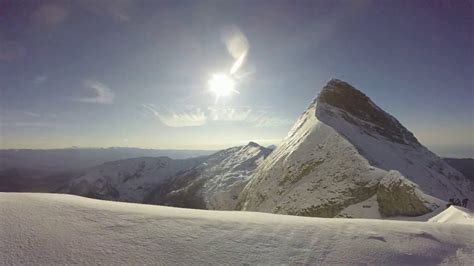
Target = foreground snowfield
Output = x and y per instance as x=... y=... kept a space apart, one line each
x=65 y=229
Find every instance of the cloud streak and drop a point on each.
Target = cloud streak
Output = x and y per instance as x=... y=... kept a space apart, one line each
x=104 y=95
x=120 y=10
x=253 y=117
x=40 y=79
x=195 y=116
x=188 y=118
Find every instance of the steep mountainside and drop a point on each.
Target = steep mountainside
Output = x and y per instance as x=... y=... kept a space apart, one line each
x=347 y=157
x=214 y=184
x=208 y=182
x=128 y=180
x=465 y=166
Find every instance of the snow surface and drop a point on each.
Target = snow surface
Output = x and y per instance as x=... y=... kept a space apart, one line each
x=454 y=214
x=66 y=229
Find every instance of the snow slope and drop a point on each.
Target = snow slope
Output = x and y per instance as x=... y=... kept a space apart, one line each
x=215 y=184
x=130 y=179
x=454 y=214
x=345 y=150
x=65 y=229
x=207 y=182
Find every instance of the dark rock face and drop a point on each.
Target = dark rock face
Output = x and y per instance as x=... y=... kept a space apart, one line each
x=347 y=98
x=399 y=199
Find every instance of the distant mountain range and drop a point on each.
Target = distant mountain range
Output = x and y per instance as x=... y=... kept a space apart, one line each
x=206 y=182
x=81 y=158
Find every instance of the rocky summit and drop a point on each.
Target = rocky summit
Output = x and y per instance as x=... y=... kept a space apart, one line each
x=346 y=157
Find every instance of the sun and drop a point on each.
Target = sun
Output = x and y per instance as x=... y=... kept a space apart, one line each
x=222 y=85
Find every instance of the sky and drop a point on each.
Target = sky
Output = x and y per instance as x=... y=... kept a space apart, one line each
x=138 y=73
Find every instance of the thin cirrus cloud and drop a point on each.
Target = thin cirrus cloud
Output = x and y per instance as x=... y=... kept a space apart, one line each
x=195 y=116
x=254 y=117
x=40 y=79
x=187 y=118
x=18 y=118
x=103 y=94
x=32 y=114
x=120 y=10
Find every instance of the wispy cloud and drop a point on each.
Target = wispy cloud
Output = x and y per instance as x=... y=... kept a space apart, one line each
x=265 y=119
x=120 y=10
x=40 y=79
x=104 y=95
x=195 y=116
x=186 y=118
x=149 y=108
x=19 y=118
x=254 y=117
x=31 y=114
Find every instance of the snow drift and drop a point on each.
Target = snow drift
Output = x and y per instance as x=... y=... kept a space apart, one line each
x=65 y=229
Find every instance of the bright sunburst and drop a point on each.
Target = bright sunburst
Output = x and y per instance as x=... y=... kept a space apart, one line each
x=222 y=85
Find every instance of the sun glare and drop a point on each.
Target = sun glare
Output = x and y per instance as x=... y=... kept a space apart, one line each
x=222 y=85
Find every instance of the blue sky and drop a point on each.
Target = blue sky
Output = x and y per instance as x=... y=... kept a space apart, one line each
x=135 y=73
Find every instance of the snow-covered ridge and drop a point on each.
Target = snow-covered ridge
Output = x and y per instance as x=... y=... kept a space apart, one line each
x=344 y=150
x=209 y=182
x=130 y=179
x=214 y=184
x=52 y=229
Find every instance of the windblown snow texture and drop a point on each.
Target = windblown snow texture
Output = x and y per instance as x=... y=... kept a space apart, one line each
x=52 y=229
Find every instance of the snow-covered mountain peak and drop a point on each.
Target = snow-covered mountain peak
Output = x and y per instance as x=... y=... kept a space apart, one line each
x=357 y=108
x=345 y=155
x=253 y=144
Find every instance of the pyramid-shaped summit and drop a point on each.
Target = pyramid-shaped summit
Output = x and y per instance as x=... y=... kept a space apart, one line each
x=347 y=157
x=343 y=96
